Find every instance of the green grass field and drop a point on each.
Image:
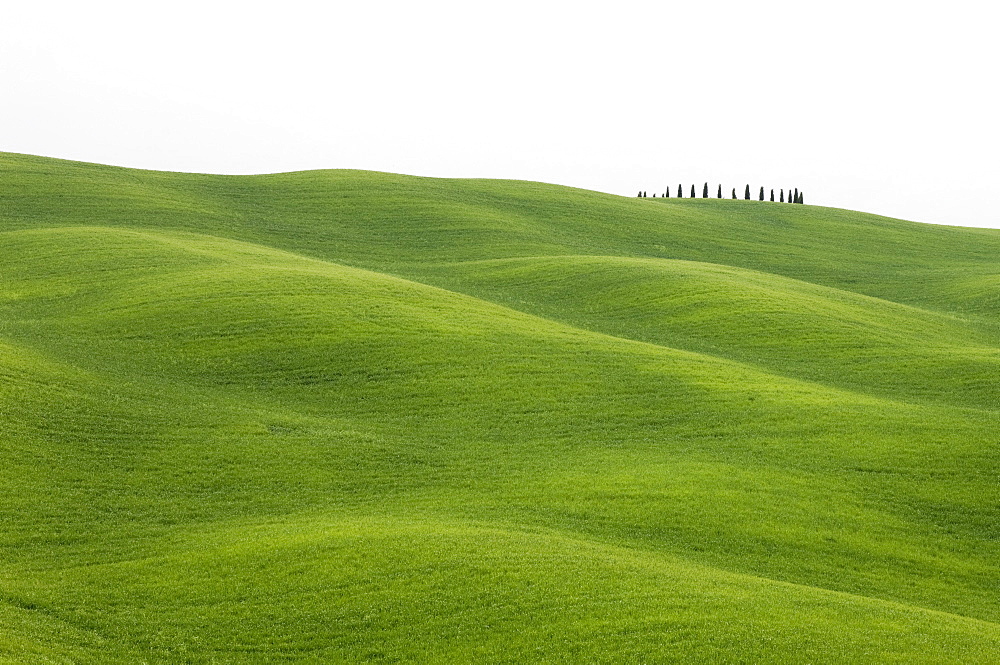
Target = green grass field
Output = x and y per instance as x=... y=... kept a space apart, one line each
x=350 y=416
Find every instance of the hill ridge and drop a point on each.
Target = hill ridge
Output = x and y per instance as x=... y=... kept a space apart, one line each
x=258 y=253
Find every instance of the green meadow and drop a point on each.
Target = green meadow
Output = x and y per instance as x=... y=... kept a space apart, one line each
x=345 y=416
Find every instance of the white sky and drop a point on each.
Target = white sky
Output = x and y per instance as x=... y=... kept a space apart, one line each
x=887 y=107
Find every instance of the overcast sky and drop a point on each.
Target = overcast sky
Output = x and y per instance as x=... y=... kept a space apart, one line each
x=886 y=107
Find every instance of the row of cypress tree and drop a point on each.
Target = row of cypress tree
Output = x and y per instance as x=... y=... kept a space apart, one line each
x=792 y=198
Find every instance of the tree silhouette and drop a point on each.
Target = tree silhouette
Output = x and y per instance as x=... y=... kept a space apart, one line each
x=666 y=194
x=719 y=195
x=796 y=199
x=762 y=192
x=772 y=196
x=680 y=194
x=782 y=199
x=746 y=194
x=704 y=192
x=693 y=195
x=734 y=192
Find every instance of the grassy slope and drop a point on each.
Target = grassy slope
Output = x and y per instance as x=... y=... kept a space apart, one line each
x=350 y=415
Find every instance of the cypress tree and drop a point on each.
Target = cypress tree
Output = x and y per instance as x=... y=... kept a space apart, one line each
x=666 y=194
x=796 y=195
x=782 y=200
x=654 y=195
x=719 y=196
x=693 y=195
x=734 y=192
x=802 y=197
x=639 y=194
x=746 y=194
x=762 y=192
x=704 y=192
x=772 y=196
x=680 y=194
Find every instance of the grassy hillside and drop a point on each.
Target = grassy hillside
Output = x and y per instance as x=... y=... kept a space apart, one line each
x=351 y=416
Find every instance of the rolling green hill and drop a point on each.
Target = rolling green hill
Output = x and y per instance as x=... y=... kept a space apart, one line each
x=350 y=416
